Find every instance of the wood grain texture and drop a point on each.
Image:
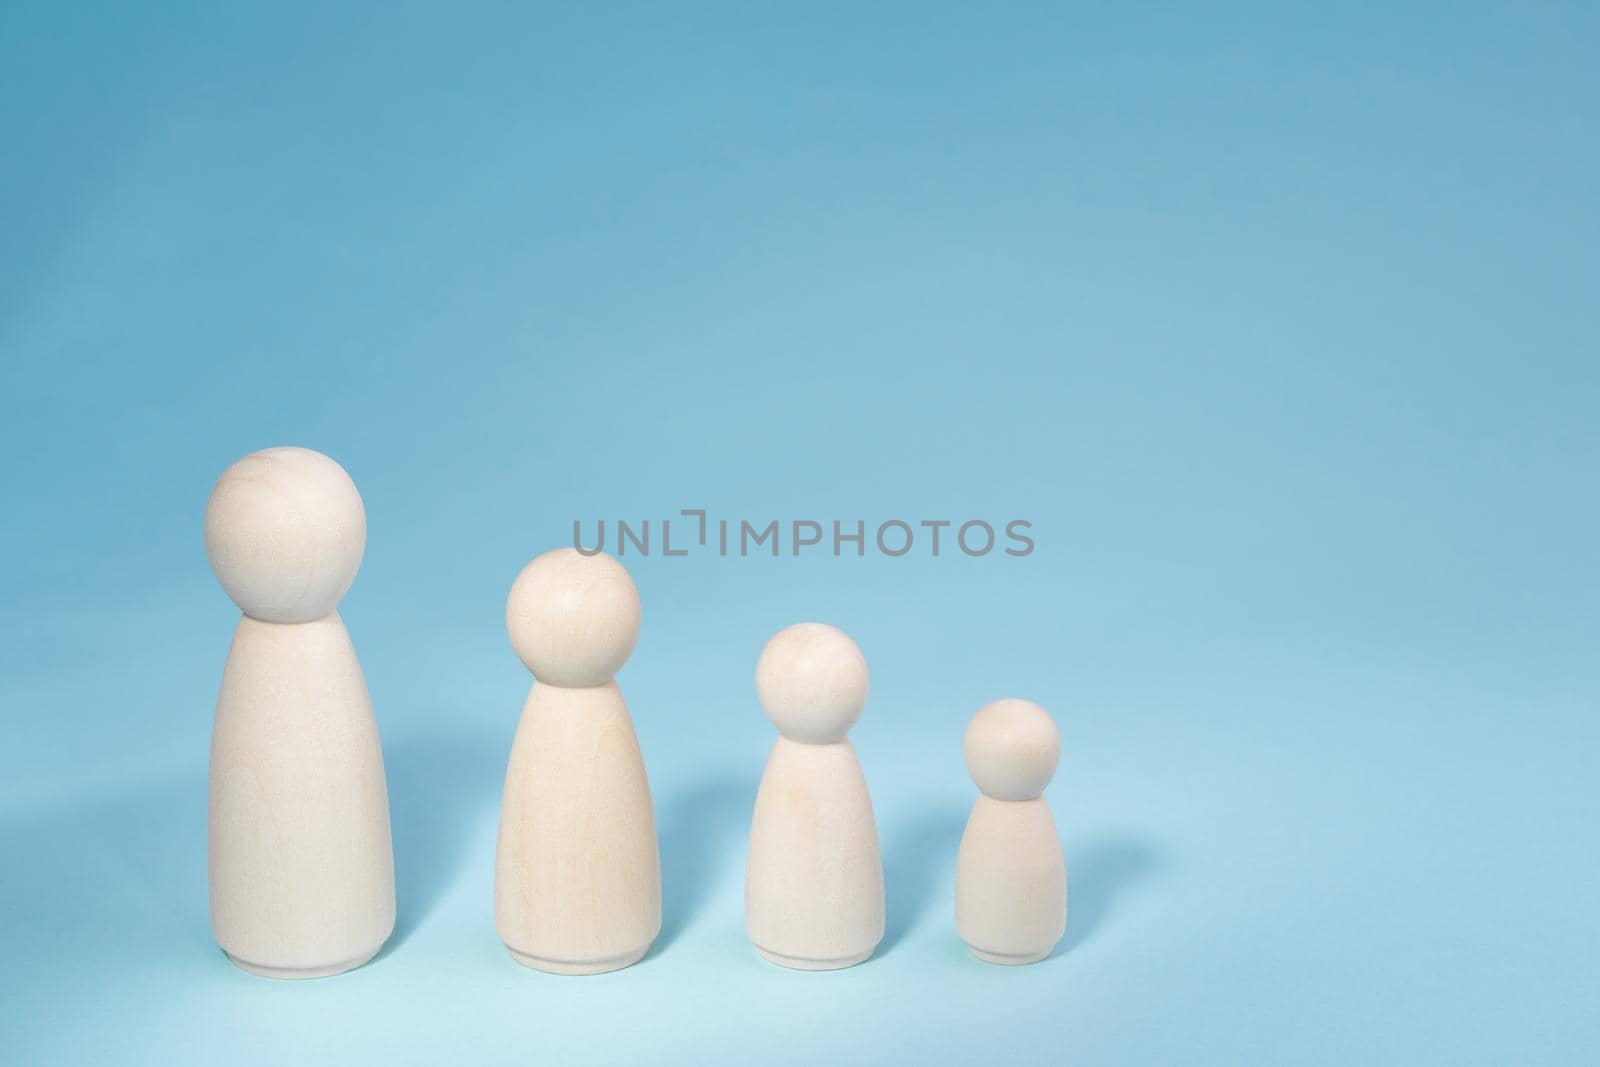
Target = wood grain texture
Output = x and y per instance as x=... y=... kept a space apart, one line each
x=301 y=864
x=814 y=883
x=1011 y=881
x=577 y=869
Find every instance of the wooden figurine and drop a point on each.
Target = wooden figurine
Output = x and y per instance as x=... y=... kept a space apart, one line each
x=814 y=884
x=301 y=865
x=1011 y=880
x=577 y=873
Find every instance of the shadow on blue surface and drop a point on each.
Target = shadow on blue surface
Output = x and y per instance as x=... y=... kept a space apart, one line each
x=1100 y=873
x=113 y=874
x=702 y=829
x=919 y=867
x=438 y=783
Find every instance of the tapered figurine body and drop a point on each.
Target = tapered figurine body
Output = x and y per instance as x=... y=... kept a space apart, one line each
x=301 y=865
x=814 y=883
x=1011 y=880
x=577 y=886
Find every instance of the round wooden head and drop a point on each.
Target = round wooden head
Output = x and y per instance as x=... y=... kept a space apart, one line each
x=573 y=619
x=1012 y=747
x=285 y=532
x=812 y=682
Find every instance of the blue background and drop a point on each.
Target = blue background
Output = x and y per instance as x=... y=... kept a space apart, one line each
x=1278 y=322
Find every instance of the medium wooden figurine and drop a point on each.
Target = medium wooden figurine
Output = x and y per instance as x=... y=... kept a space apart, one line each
x=577 y=886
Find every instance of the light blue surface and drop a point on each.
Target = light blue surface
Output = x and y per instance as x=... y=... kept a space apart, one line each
x=1279 y=325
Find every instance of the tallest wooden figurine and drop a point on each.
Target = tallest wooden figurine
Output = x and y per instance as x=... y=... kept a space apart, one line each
x=577 y=887
x=302 y=872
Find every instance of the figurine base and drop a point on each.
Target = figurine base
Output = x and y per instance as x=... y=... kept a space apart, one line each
x=801 y=963
x=293 y=973
x=549 y=966
x=1008 y=959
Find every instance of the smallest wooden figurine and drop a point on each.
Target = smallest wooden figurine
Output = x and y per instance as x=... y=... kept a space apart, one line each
x=1011 y=879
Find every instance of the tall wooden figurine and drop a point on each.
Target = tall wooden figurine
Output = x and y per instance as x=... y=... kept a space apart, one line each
x=302 y=872
x=577 y=886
